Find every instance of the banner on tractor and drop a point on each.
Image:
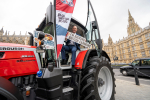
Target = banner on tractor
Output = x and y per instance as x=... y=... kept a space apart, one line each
x=64 y=10
x=47 y=39
x=78 y=39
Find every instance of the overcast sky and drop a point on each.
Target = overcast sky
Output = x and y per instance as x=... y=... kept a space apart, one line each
x=112 y=15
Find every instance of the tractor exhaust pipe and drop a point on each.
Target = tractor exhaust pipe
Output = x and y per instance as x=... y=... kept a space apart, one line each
x=31 y=38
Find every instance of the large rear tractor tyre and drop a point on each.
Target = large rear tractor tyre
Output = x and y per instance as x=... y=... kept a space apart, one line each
x=98 y=82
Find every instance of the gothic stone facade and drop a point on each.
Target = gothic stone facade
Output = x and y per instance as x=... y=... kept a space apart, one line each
x=18 y=39
x=135 y=45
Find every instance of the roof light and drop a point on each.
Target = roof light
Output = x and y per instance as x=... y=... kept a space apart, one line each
x=39 y=73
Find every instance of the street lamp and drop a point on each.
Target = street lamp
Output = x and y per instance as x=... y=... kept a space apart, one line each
x=115 y=58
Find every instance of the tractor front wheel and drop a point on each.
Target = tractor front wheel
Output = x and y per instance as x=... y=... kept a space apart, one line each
x=98 y=82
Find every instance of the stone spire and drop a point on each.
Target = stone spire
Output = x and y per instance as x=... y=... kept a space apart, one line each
x=1 y=31
x=14 y=33
x=26 y=33
x=132 y=27
x=20 y=33
x=6 y=32
x=110 y=42
x=130 y=18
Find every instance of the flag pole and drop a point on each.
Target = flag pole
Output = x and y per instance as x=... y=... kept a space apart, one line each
x=55 y=43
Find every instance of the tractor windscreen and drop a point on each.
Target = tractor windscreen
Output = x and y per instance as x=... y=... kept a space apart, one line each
x=49 y=28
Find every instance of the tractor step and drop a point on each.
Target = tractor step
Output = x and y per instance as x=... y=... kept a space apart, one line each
x=67 y=76
x=67 y=89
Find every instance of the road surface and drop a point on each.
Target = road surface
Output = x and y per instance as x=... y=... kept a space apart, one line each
x=142 y=80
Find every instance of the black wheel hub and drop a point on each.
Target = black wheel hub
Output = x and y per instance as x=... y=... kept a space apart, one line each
x=100 y=82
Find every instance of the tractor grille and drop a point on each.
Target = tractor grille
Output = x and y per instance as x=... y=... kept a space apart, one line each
x=23 y=81
x=1 y=54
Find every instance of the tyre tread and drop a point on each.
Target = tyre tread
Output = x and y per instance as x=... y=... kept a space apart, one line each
x=93 y=63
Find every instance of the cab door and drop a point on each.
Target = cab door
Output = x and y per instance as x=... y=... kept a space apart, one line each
x=135 y=64
x=145 y=67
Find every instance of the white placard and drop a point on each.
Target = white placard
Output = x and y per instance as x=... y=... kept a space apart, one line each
x=78 y=39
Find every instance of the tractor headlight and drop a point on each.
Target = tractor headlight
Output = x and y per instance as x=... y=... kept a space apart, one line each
x=28 y=88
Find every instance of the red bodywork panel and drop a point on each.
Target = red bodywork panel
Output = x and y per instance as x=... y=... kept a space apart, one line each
x=17 y=63
x=16 y=54
x=80 y=59
x=15 y=45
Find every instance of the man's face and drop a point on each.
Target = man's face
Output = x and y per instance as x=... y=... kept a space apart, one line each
x=74 y=29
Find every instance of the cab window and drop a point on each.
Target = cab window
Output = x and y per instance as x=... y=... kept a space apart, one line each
x=136 y=63
x=145 y=62
x=49 y=29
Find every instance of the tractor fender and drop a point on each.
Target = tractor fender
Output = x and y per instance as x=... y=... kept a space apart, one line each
x=104 y=54
x=84 y=56
x=9 y=90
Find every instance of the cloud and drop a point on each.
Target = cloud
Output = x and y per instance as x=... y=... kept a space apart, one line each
x=112 y=15
x=22 y=15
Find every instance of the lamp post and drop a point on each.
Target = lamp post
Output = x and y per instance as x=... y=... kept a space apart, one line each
x=115 y=58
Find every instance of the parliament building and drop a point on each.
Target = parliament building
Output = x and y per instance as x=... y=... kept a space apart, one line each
x=18 y=39
x=135 y=45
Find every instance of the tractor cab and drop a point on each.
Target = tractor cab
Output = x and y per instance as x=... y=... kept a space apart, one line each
x=90 y=31
x=91 y=78
x=49 y=53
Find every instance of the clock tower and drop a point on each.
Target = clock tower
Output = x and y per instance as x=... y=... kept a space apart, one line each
x=132 y=27
x=110 y=42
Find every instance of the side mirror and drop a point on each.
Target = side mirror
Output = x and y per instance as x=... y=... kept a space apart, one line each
x=50 y=67
x=41 y=35
x=94 y=24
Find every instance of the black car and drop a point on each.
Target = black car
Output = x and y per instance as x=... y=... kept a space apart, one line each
x=142 y=65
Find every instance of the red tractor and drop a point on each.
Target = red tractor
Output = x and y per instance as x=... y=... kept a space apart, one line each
x=91 y=78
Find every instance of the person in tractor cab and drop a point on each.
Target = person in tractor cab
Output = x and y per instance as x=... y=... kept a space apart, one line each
x=70 y=47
